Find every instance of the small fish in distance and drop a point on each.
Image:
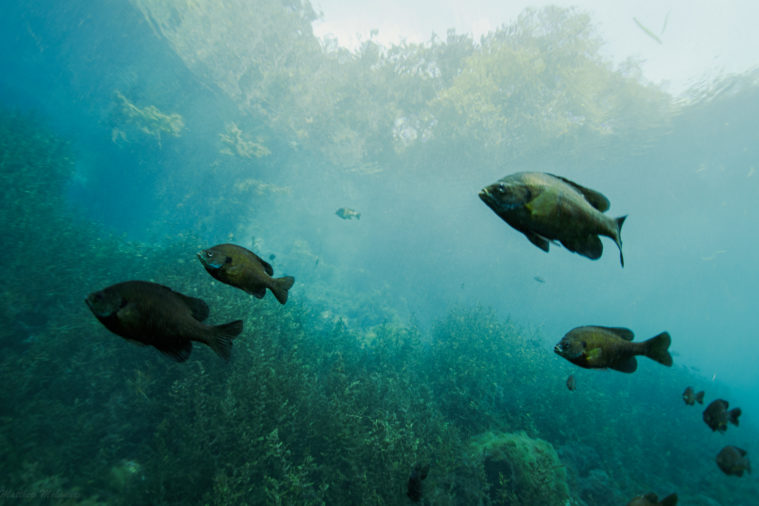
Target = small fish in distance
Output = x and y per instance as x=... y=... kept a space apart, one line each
x=733 y=461
x=545 y=207
x=571 y=383
x=243 y=269
x=155 y=315
x=347 y=213
x=414 y=485
x=651 y=499
x=716 y=415
x=691 y=397
x=595 y=347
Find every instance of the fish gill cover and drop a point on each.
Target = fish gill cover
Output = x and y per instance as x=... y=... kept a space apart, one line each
x=382 y=357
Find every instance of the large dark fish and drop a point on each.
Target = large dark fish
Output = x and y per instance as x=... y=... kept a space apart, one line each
x=414 y=485
x=651 y=499
x=547 y=208
x=716 y=415
x=691 y=397
x=236 y=266
x=733 y=460
x=155 y=315
x=594 y=347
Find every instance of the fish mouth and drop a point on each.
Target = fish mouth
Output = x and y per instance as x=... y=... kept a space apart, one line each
x=485 y=196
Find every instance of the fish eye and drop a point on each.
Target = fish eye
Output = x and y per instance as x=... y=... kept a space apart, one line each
x=209 y=254
x=501 y=187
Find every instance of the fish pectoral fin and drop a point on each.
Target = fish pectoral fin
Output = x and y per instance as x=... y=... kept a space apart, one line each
x=538 y=240
x=129 y=313
x=625 y=365
x=542 y=205
x=594 y=198
x=593 y=357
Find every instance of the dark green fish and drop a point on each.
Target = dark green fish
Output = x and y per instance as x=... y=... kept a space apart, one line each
x=691 y=397
x=716 y=415
x=651 y=499
x=595 y=347
x=547 y=208
x=733 y=460
x=414 y=485
x=347 y=213
x=155 y=315
x=243 y=269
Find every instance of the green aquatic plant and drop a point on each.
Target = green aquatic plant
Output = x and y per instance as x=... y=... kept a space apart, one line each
x=147 y=119
x=237 y=143
x=519 y=470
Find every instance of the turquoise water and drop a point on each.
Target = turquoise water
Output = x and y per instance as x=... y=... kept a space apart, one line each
x=135 y=134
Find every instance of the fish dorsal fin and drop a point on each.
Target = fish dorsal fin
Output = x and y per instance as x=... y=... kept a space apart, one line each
x=267 y=267
x=621 y=332
x=594 y=198
x=741 y=451
x=198 y=307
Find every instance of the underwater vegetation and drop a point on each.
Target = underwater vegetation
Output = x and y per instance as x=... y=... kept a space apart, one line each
x=308 y=410
x=334 y=397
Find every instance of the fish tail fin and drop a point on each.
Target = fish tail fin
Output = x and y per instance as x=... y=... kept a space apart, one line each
x=700 y=397
x=733 y=414
x=221 y=338
x=618 y=238
x=657 y=348
x=280 y=287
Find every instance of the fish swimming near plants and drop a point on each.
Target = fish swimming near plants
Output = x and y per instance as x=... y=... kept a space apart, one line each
x=651 y=499
x=596 y=347
x=546 y=208
x=155 y=315
x=414 y=485
x=347 y=213
x=733 y=461
x=243 y=269
x=717 y=416
x=691 y=397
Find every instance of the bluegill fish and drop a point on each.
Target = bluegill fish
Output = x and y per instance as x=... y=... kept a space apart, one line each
x=545 y=208
x=716 y=415
x=691 y=397
x=595 y=347
x=155 y=315
x=733 y=460
x=414 y=484
x=243 y=269
x=347 y=213
x=651 y=499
